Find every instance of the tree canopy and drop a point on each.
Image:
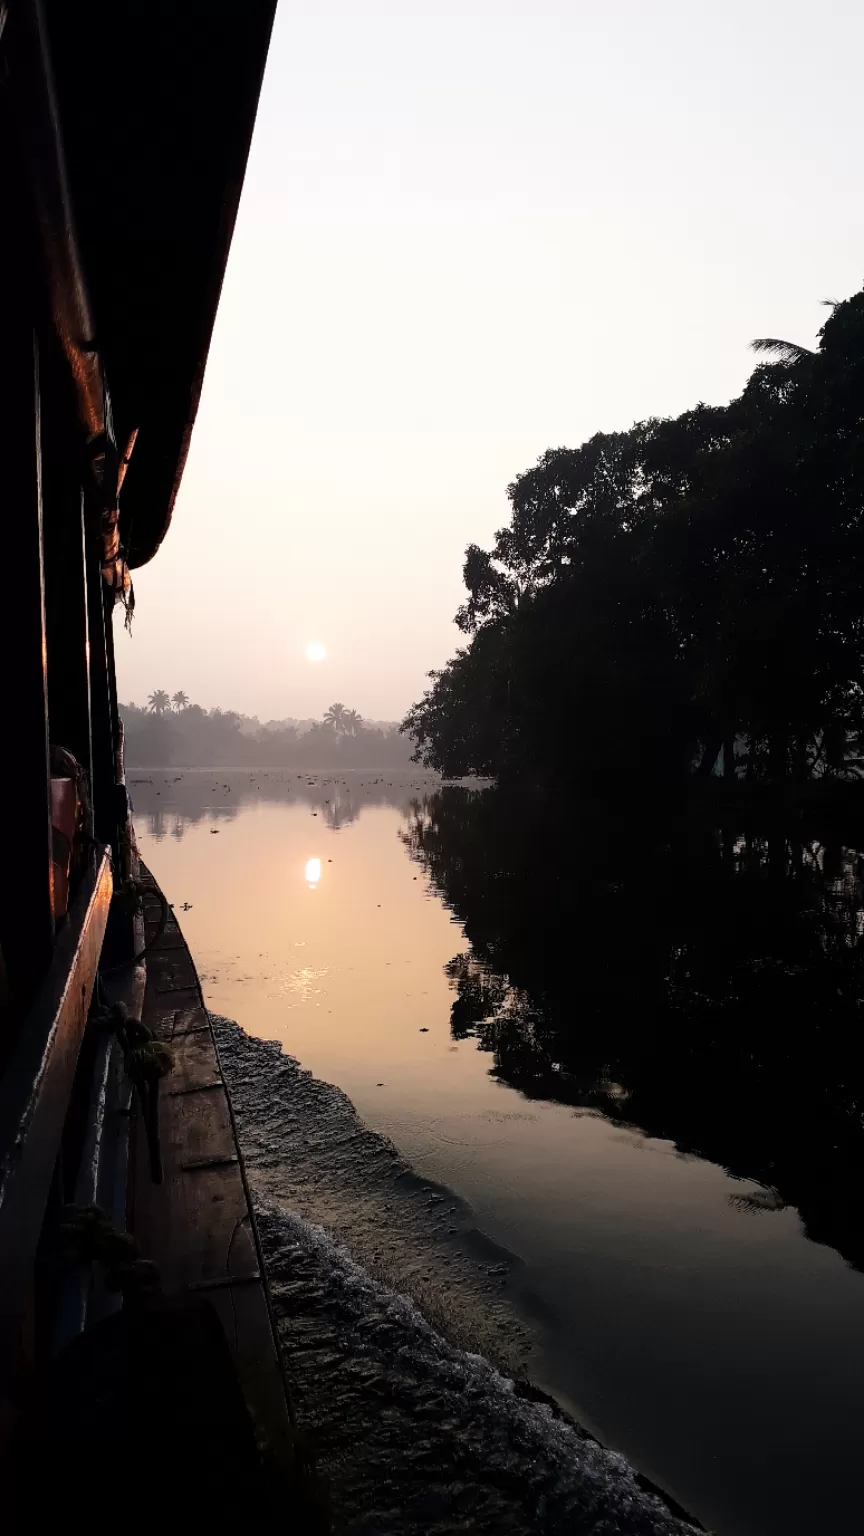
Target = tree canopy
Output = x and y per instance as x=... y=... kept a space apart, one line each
x=691 y=584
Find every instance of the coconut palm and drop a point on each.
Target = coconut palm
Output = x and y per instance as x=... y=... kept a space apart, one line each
x=335 y=717
x=159 y=701
x=787 y=351
x=180 y=700
x=784 y=351
x=353 y=723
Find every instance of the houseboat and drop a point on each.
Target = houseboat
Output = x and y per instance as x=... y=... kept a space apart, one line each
x=137 y=1357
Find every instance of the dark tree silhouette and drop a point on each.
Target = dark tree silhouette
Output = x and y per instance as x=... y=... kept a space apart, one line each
x=690 y=588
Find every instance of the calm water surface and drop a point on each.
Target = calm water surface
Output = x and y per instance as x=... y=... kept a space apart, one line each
x=640 y=1075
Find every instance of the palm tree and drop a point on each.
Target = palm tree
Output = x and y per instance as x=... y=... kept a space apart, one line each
x=180 y=700
x=784 y=351
x=787 y=351
x=335 y=716
x=159 y=702
x=353 y=722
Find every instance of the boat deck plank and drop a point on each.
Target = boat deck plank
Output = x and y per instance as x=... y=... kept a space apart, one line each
x=196 y=1226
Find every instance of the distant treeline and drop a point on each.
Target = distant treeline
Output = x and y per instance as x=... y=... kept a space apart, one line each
x=683 y=595
x=176 y=733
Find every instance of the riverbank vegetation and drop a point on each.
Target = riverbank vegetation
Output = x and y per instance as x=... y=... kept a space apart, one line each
x=172 y=732
x=680 y=596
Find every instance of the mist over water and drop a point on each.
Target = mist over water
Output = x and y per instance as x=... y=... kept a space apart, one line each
x=610 y=1134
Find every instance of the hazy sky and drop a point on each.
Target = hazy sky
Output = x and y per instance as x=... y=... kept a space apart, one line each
x=472 y=230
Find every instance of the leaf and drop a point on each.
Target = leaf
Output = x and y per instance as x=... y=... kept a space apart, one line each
x=784 y=351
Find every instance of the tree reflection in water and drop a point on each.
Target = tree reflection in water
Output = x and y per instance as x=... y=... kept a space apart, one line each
x=180 y=801
x=702 y=981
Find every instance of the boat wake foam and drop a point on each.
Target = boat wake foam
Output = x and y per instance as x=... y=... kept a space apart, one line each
x=413 y=1432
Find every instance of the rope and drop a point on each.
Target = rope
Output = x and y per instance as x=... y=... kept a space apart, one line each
x=146 y=1061
x=88 y=1237
x=133 y=890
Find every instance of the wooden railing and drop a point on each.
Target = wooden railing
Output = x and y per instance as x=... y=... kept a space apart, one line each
x=35 y=1092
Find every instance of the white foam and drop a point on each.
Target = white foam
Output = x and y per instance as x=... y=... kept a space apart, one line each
x=412 y=1432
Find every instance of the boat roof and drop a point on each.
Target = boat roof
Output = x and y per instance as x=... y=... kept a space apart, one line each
x=157 y=102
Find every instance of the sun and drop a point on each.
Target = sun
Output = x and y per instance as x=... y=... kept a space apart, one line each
x=315 y=651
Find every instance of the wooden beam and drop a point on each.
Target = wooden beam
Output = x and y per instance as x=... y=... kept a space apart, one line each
x=108 y=606
x=37 y=122
x=65 y=574
x=102 y=713
x=26 y=924
x=34 y=1098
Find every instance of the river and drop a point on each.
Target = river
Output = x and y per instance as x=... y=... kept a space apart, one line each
x=620 y=1067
